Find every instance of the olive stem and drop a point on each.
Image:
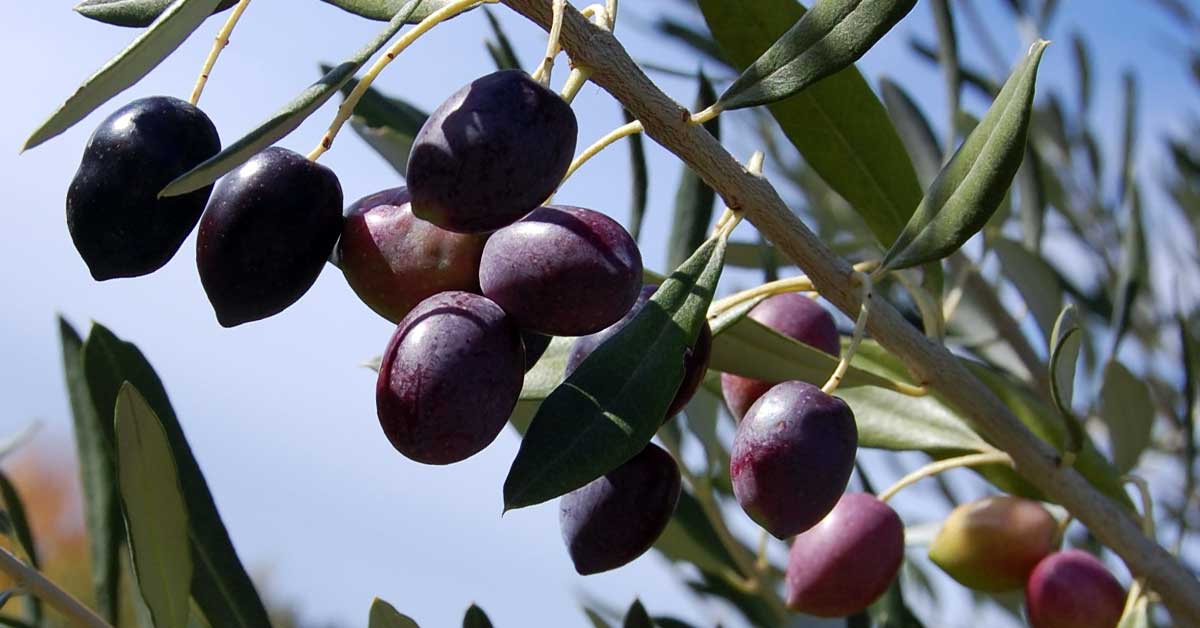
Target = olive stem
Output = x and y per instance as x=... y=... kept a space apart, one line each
x=546 y=67
x=763 y=563
x=347 y=107
x=624 y=130
x=575 y=82
x=1143 y=488
x=219 y=44
x=700 y=117
x=44 y=589
x=860 y=327
x=934 y=468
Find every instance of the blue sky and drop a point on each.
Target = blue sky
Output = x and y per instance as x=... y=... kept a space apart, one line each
x=278 y=412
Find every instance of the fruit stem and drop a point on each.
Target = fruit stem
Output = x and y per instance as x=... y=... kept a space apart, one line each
x=1143 y=488
x=763 y=563
x=546 y=67
x=575 y=81
x=219 y=44
x=860 y=327
x=38 y=585
x=347 y=107
x=624 y=130
x=934 y=468
x=701 y=117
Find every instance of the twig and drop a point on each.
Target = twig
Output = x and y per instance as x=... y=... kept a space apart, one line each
x=38 y=585
x=219 y=44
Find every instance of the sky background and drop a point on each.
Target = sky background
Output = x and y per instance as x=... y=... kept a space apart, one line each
x=278 y=412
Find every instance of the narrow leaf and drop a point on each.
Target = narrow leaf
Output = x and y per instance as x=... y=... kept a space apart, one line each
x=284 y=121
x=1083 y=72
x=15 y=509
x=501 y=50
x=476 y=618
x=1128 y=134
x=1065 y=341
x=384 y=615
x=155 y=514
x=220 y=585
x=914 y=129
x=97 y=470
x=971 y=186
x=388 y=125
x=136 y=13
x=128 y=67
x=1128 y=411
x=1035 y=279
x=690 y=537
x=972 y=77
x=613 y=404
x=828 y=38
x=693 y=198
x=637 y=617
x=639 y=180
x=384 y=10
x=948 y=61
x=891 y=611
x=1033 y=199
x=1131 y=274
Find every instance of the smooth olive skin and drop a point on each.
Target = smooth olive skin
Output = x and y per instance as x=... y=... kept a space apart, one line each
x=268 y=230
x=118 y=224
x=792 y=457
x=994 y=543
x=1073 y=589
x=791 y=314
x=491 y=153
x=562 y=271
x=449 y=378
x=695 y=358
x=615 y=518
x=535 y=347
x=394 y=260
x=848 y=560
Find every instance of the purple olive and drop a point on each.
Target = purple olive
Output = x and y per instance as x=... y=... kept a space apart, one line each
x=848 y=560
x=266 y=234
x=394 y=260
x=450 y=378
x=617 y=517
x=491 y=153
x=792 y=457
x=1073 y=589
x=563 y=271
x=695 y=358
x=793 y=315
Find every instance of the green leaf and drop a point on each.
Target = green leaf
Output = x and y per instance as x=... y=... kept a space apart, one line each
x=596 y=620
x=972 y=77
x=943 y=19
x=1128 y=134
x=891 y=611
x=1083 y=72
x=612 y=405
x=155 y=514
x=501 y=50
x=1131 y=274
x=476 y=618
x=540 y=381
x=914 y=129
x=14 y=508
x=128 y=67
x=1033 y=199
x=1065 y=341
x=752 y=254
x=136 y=13
x=637 y=617
x=971 y=186
x=689 y=537
x=384 y=615
x=388 y=125
x=1128 y=411
x=384 y=10
x=639 y=180
x=828 y=38
x=97 y=469
x=693 y=198
x=286 y=120
x=1035 y=279
x=838 y=125
x=220 y=585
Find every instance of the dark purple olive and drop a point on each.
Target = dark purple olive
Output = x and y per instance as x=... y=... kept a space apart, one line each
x=792 y=457
x=695 y=358
x=791 y=314
x=1073 y=589
x=119 y=225
x=449 y=378
x=394 y=260
x=563 y=271
x=491 y=153
x=848 y=560
x=535 y=346
x=617 y=517
x=267 y=232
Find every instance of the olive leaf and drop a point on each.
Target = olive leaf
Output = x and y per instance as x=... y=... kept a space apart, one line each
x=828 y=38
x=136 y=13
x=388 y=125
x=614 y=402
x=693 y=198
x=1083 y=72
x=155 y=514
x=914 y=129
x=1065 y=341
x=384 y=615
x=286 y=120
x=1131 y=274
x=501 y=50
x=1034 y=278
x=948 y=60
x=384 y=10
x=128 y=67
x=637 y=617
x=476 y=618
x=14 y=509
x=974 y=182
x=639 y=180
x=689 y=537
x=1128 y=410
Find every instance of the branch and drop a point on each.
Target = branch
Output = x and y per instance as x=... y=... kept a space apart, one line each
x=667 y=123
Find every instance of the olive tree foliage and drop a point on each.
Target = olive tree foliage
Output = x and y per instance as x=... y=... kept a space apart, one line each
x=1065 y=378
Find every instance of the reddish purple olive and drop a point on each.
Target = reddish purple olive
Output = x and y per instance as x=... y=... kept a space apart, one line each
x=563 y=271
x=793 y=315
x=615 y=518
x=994 y=543
x=792 y=457
x=394 y=260
x=848 y=560
x=266 y=234
x=695 y=358
x=491 y=153
x=1073 y=589
x=449 y=378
